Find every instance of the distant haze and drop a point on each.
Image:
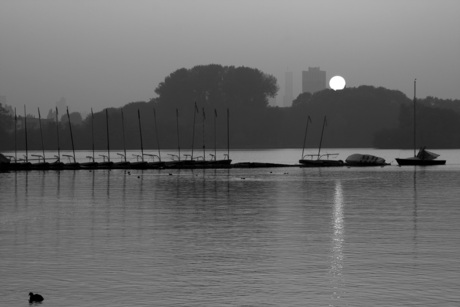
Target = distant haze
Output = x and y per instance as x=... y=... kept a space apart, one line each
x=107 y=53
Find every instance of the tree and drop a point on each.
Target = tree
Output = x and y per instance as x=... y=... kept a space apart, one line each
x=75 y=118
x=6 y=125
x=216 y=85
x=302 y=99
x=6 y=119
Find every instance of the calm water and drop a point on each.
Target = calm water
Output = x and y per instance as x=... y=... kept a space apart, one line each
x=241 y=237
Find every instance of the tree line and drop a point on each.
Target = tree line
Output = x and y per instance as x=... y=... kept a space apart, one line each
x=192 y=106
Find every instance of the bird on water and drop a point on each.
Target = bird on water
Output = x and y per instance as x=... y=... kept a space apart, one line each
x=35 y=298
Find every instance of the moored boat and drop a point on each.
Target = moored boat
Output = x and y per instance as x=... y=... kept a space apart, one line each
x=4 y=163
x=139 y=165
x=423 y=157
x=364 y=160
x=40 y=166
x=90 y=164
x=319 y=161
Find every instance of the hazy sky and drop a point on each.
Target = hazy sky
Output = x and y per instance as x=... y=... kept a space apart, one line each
x=106 y=53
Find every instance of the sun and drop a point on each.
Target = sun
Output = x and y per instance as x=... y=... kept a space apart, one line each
x=337 y=83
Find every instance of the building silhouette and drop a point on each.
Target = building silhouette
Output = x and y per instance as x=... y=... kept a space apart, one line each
x=313 y=80
x=288 y=89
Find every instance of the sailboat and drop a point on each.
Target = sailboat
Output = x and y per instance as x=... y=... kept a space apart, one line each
x=159 y=163
x=106 y=164
x=178 y=163
x=41 y=165
x=318 y=162
x=423 y=157
x=58 y=164
x=91 y=164
x=222 y=163
x=71 y=165
x=124 y=163
x=214 y=162
x=140 y=164
x=17 y=164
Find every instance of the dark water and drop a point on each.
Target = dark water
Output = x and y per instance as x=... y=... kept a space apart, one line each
x=241 y=237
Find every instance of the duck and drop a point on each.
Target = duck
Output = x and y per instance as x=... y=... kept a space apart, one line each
x=35 y=298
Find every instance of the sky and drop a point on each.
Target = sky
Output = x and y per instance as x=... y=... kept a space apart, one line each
x=107 y=53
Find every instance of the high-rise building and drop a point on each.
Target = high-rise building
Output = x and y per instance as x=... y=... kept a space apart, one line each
x=288 y=89
x=313 y=80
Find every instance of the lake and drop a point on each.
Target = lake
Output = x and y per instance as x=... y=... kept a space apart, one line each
x=234 y=237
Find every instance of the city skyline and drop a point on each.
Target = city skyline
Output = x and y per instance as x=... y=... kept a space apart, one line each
x=99 y=54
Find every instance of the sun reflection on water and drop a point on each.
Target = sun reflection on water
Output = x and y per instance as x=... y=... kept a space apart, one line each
x=337 y=243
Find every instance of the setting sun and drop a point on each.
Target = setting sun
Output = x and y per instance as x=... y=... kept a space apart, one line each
x=337 y=83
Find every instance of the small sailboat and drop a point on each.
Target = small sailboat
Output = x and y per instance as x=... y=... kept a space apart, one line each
x=106 y=164
x=319 y=162
x=91 y=164
x=140 y=164
x=196 y=163
x=213 y=162
x=58 y=164
x=124 y=163
x=176 y=159
x=159 y=163
x=5 y=161
x=41 y=164
x=423 y=157
x=25 y=165
x=193 y=130
x=18 y=164
x=74 y=164
x=220 y=163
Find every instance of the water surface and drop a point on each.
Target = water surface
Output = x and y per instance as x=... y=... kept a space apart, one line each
x=239 y=237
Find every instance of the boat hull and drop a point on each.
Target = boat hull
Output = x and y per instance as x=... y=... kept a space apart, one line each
x=321 y=163
x=414 y=161
x=105 y=165
x=121 y=165
x=89 y=165
x=139 y=165
x=72 y=166
x=199 y=164
x=364 y=160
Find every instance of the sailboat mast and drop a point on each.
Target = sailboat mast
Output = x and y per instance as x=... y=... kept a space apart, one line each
x=57 y=135
x=321 y=140
x=140 y=134
x=215 y=134
x=92 y=131
x=123 y=129
x=71 y=136
x=305 y=136
x=228 y=133
x=108 y=138
x=204 y=146
x=177 y=126
x=41 y=134
x=156 y=133
x=415 y=117
x=193 y=129
x=25 y=130
x=15 y=136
